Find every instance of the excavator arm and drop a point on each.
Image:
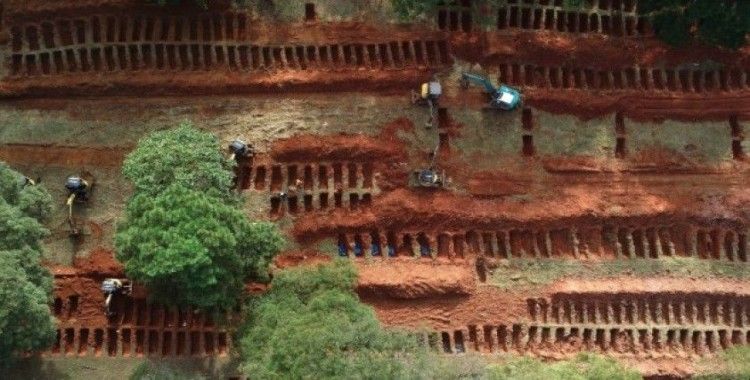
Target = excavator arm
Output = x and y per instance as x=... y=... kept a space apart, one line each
x=73 y=228
x=479 y=81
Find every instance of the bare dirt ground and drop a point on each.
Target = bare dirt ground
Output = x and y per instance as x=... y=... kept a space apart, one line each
x=613 y=202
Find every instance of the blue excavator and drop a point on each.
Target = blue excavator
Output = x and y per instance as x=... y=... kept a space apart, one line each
x=503 y=97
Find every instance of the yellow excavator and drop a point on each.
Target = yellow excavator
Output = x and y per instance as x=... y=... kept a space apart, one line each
x=429 y=94
x=78 y=191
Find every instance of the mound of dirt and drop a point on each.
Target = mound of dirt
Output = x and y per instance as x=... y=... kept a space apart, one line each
x=410 y=280
x=100 y=262
x=343 y=147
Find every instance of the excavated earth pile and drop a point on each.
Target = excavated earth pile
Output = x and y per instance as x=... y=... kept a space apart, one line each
x=606 y=214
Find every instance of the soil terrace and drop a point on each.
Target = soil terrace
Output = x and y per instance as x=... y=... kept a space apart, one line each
x=46 y=155
x=425 y=258
x=168 y=55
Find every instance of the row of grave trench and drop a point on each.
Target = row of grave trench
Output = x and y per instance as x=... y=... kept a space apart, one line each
x=564 y=242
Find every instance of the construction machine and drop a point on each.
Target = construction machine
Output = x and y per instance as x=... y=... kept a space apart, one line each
x=502 y=97
x=26 y=181
x=429 y=177
x=78 y=191
x=429 y=94
x=112 y=287
x=239 y=149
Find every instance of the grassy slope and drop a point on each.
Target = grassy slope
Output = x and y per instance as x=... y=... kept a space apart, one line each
x=518 y=273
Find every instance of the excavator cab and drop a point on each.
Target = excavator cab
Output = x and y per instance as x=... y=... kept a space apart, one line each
x=239 y=149
x=112 y=287
x=506 y=98
x=429 y=94
x=503 y=97
x=77 y=189
x=429 y=178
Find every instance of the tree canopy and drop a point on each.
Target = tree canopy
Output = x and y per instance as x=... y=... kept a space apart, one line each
x=185 y=236
x=33 y=201
x=310 y=324
x=187 y=248
x=184 y=156
x=715 y=23
x=408 y=10
x=676 y=22
x=26 y=323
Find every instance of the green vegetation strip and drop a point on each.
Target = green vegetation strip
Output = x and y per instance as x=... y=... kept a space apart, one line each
x=25 y=285
x=585 y=366
x=528 y=272
x=732 y=364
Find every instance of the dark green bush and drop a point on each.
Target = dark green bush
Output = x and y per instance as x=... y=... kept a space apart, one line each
x=711 y=22
x=310 y=325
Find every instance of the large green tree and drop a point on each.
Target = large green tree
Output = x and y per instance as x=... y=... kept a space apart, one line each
x=188 y=248
x=310 y=324
x=26 y=323
x=185 y=236
x=185 y=156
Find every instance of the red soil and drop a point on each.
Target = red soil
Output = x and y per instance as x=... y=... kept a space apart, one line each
x=441 y=294
x=155 y=83
x=642 y=107
x=49 y=155
x=485 y=305
x=597 y=51
x=445 y=211
x=343 y=147
x=653 y=285
x=100 y=262
x=406 y=279
x=384 y=151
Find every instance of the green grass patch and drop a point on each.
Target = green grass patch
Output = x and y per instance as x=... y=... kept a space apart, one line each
x=538 y=272
x=84 y=368
x=687 y=143
x=585 y=366
x=564 y=135
x=734 y=363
